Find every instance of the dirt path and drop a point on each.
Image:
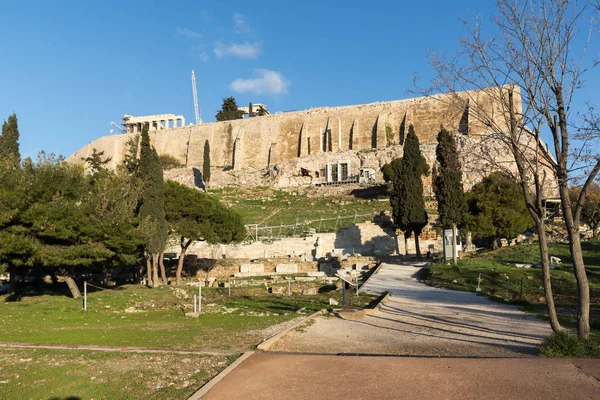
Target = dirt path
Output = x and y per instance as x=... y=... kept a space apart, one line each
x=277 y=376
x=424 y=321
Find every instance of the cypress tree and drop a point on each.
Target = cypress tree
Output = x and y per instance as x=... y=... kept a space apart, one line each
x=206 y=164
x=448 y=185
x=9 y=140
x=152 y=205
x=406 y=196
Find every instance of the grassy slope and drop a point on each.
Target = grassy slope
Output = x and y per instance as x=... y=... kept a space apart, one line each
x=274 y=207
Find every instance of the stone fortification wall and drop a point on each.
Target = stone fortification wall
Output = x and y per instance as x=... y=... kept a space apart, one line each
x=294 y=147
x=262 y=141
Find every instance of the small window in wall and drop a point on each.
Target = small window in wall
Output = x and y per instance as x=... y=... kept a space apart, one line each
x=344 y=171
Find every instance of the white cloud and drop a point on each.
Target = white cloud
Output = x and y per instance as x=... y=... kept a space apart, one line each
x=239 y=24
x=204 y=56
x=188 y=33
x=265 y=81
x=240 y=50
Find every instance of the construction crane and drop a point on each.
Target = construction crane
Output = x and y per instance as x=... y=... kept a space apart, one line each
x=196 y=109
x=119 y=128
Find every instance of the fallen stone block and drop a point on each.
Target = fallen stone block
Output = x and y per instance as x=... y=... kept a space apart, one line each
x=277 y=289
x=287 y=269
x=252 y=268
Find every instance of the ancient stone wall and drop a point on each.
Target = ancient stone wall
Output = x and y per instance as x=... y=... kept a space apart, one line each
x=367 y=135
x=262 y=141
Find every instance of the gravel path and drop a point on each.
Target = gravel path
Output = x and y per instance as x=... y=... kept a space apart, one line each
x=422 y=321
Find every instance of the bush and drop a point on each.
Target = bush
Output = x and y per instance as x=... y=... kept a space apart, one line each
x=563 y=344
x=167 y=161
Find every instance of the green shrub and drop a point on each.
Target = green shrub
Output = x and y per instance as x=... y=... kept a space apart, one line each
x=167 y=161
x=389 y=135
x=563 y=344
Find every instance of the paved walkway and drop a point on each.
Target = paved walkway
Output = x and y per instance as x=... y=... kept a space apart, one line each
x=277 y=376
x=424 y=321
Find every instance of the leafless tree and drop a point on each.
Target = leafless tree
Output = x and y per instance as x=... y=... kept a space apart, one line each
x=527 y=75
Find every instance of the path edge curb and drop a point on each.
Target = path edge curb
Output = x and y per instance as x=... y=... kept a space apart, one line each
x=377 y=307
x=267 y=344
x=210 y=384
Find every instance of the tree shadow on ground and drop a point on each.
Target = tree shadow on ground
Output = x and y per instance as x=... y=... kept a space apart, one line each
x=371 y=192
x=65 y=398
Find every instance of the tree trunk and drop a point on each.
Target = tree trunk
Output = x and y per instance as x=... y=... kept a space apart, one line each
x=583 y=287
x=454 y=250
x=53 y=277
x=417 y=249
x=161 y=263
x=148 y=272
x=12 y=281
x=154 y=269
x=546 y=278
x=583 y=303
x=184 y=246
x=73 y=287
x=180 y=266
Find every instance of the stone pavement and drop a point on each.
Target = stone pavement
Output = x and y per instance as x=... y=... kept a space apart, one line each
x=293 y=376
x=424 y=321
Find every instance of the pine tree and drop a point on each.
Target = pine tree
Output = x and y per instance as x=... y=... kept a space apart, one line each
x=406 y=196
x=448 y=185
x=229 y=110
x=193 y=215
x=9 y=140
x=206 y=163
x=152 y=205
x=96 y=165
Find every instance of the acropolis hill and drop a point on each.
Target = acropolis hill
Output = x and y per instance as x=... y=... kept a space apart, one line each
x=320 y=144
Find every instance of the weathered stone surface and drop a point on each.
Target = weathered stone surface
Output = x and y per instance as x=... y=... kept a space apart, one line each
x=286 y=268
x=252 y=268
x=278 y=289
x=290 y=145
x=305 y=278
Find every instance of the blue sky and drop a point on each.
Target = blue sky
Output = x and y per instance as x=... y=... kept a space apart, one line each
x=69 y=68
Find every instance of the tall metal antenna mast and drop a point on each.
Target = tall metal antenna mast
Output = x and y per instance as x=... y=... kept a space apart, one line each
x=196 y=109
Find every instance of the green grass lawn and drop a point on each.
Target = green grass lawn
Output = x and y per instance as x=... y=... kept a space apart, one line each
x=497 y=267
x=227 y=323
x=232 y=324
x=72 y=374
